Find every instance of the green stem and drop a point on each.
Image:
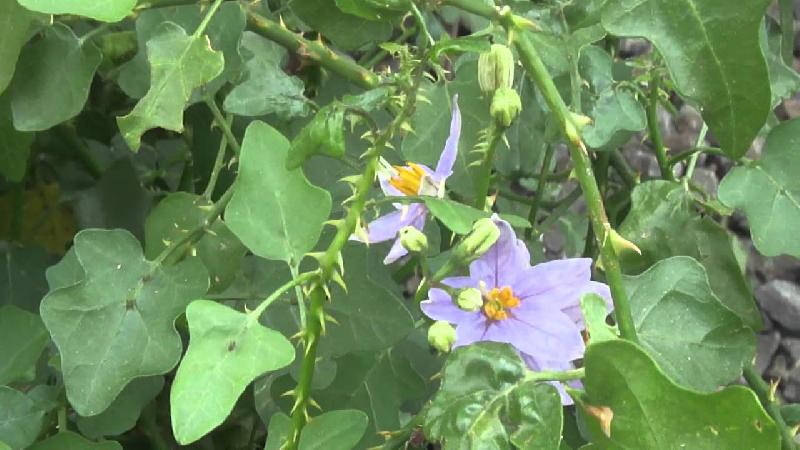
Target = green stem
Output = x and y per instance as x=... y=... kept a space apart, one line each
x=787 y=31
x=559 y=211
x=218 y=162
x=315 y=51
x=207 y=18
x=693 y=160
x=298 y=292
x=223 y=124
x=484 y=175
x=174 y=248
x=538 y=73
x=295 y=282
x=771 y=404
x=623 y=169
x=655 y=131
x=369 y=60
x=526 y=200
x=328 y=261
x=540 y=187
x=567 y=375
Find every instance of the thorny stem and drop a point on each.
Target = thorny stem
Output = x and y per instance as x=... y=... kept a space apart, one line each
x=655 y=131
x=484 y=175
x=315 y=320
x=771 y=404
x=223 y=124
x=218 y=162
x=315 y=51
x=295 y=282
x=538 y=73
x=542 y=183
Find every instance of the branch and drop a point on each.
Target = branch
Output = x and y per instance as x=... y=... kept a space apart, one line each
x=771 y=404
x=315 y=51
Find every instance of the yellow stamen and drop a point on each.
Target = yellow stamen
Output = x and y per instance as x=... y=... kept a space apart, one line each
x=498 y=300
x=408 y=178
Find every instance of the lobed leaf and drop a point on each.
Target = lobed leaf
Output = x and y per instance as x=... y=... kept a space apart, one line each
x=227 y=351
x=179 y=64
x=768 y=191
x=652 y=412
x=40 y=100
x=334 y=430
x=22 y=340
x=731 y=86
x=275 y=212
x=20 y=418
x=485 y=401
x=106 y=10
x=15 y=22
x=117 y=323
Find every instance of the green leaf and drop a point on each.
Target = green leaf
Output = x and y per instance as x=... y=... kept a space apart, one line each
x=464 y=44
x=179 y=64
x=698 y=342
x=595 y=311
x=768 y=191
x=616 y=115
x=734 y=98
x=15 y=22
x=459 y=217
x=662 y=223
x=276 y=212
x=485 y=401
x=377 y=383
x=175 y=217
x=784 y=80
x=126 y=307
x=651 y=412
x=40 y=100
x=22 y=339
x=22 y=281
x=346 y=31
x=267 y=88
x=334 y=430
x=791 y=414
x=323 y=135
x=280 y=426
x=124 y=412
x=67 y=440
x=107 y=11
x=20 y=418
x=224 y=31
x=227 y=351
x=15 y=146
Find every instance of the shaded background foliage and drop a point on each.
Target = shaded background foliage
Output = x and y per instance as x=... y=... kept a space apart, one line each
x=131 y=270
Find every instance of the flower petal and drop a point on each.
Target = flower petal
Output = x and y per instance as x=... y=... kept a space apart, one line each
x=549 y=335
x=440 y=306
x=396 y=252
x=504 y=262
x=470 y=331
x=551 y=274
x=444 y=168
x=461 y=282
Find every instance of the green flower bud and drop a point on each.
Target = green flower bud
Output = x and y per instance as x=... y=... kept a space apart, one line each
x=483 y=235
x=470 y=299
x=413 y=240
x=441 y=336
x=496 y=68
x=506 y=106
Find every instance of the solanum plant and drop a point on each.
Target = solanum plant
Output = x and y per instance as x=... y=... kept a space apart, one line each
x=319 y=224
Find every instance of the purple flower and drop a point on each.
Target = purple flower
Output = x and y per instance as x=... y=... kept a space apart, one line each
x=536 y=309
x=411 y=180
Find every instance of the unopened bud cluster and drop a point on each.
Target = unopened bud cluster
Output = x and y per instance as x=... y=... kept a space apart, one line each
x=496 y=77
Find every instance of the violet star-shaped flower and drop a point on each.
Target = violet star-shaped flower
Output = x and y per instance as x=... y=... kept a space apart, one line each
x=411 y=180
x=536 y=309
